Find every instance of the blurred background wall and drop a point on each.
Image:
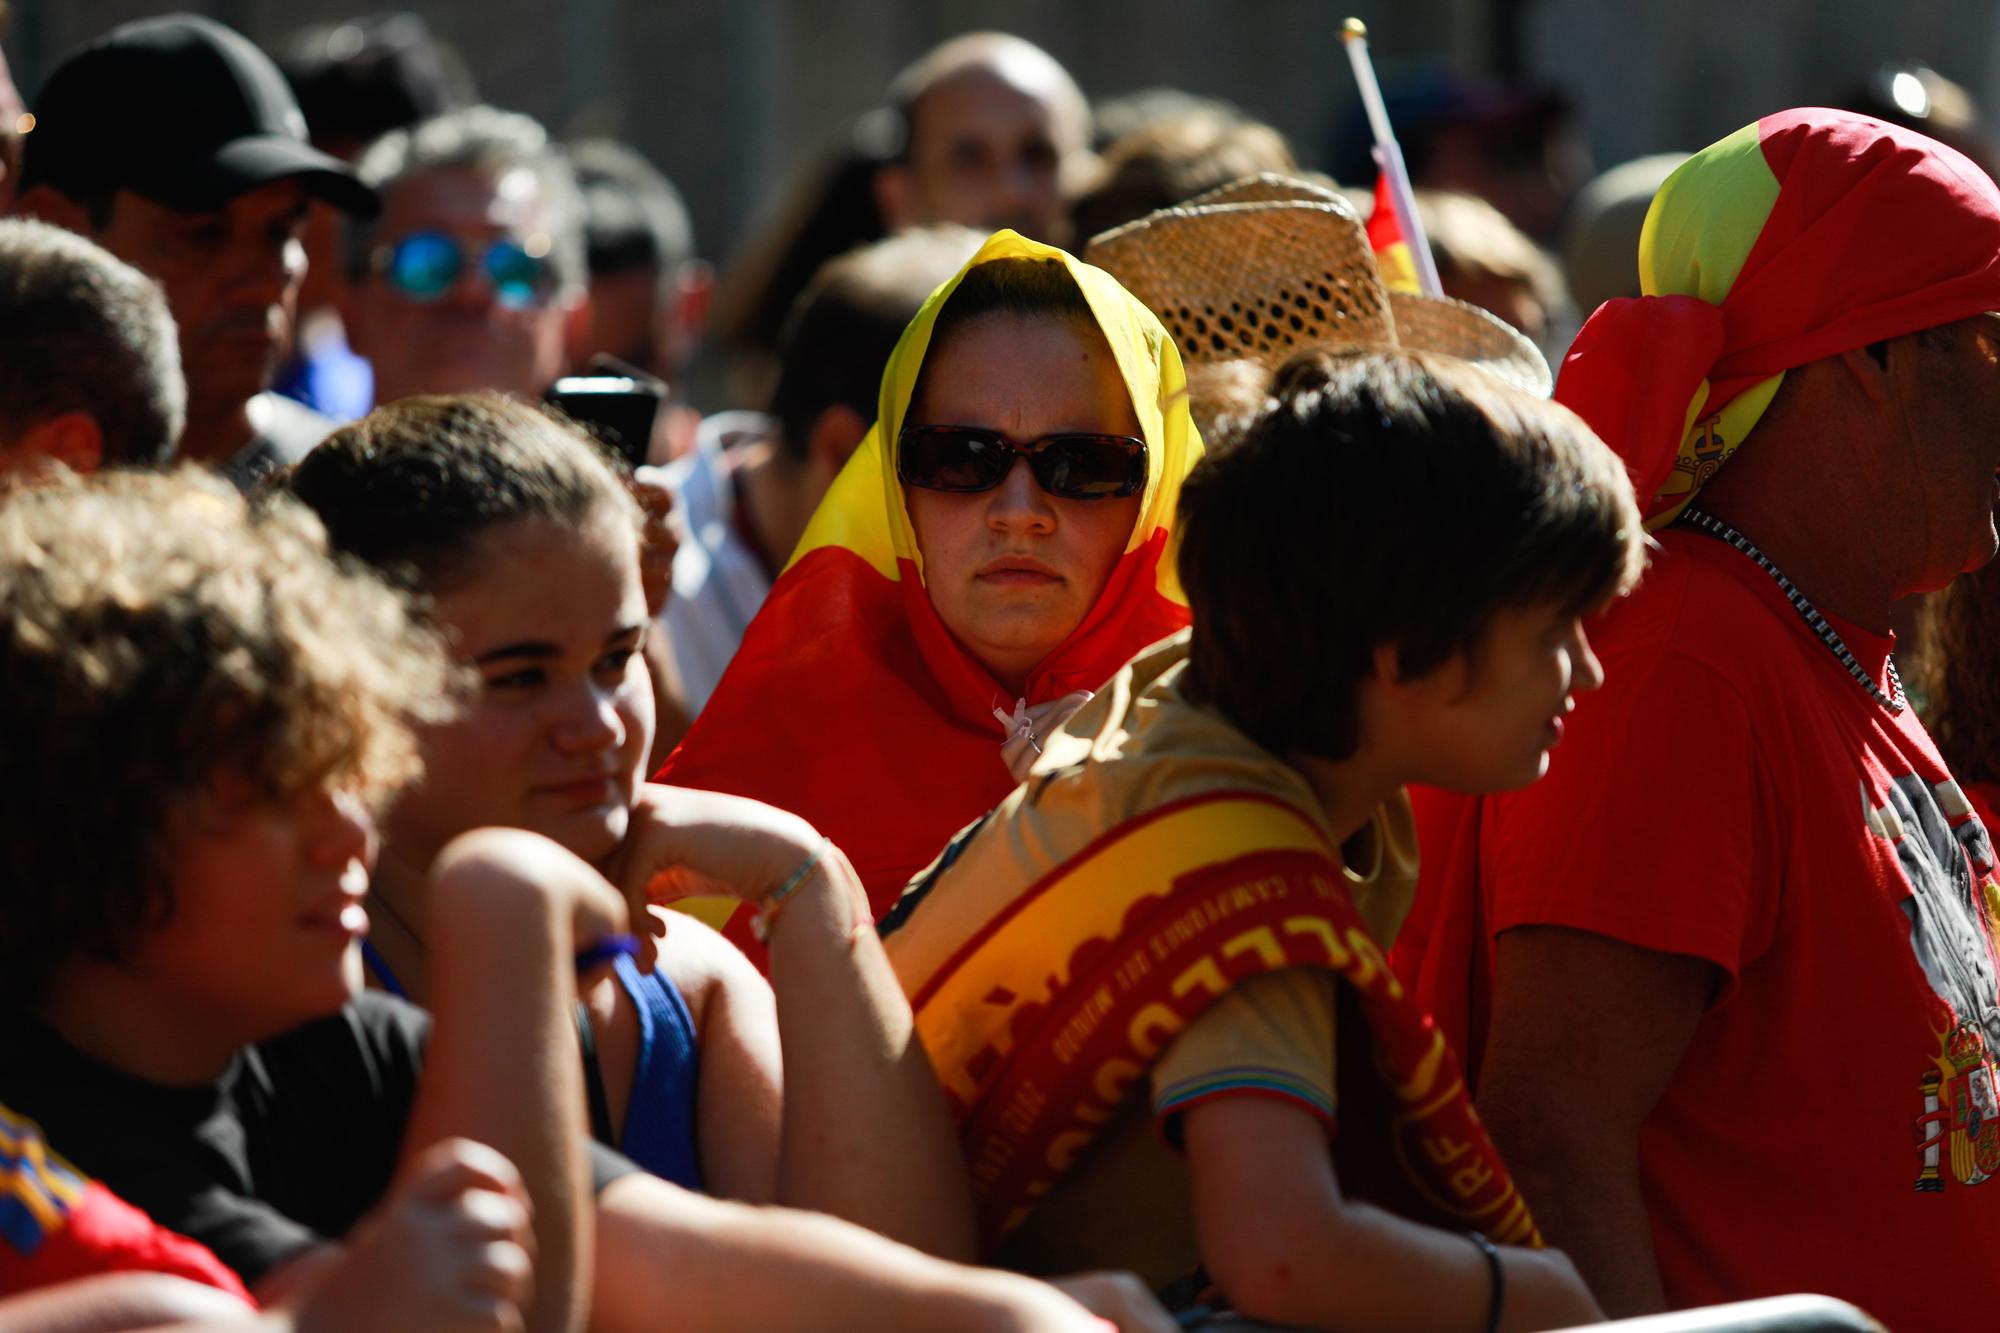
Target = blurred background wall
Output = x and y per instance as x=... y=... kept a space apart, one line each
x=728 y=96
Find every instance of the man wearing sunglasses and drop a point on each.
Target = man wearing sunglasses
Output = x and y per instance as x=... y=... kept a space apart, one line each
x=209 y=200
x=474 y=275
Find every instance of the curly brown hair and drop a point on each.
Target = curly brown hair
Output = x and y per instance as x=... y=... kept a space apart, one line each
x=1958 y=673
x=158 y=637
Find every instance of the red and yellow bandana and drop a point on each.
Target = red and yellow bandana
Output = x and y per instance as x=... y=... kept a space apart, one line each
x=850 y=703
x=1807 y=234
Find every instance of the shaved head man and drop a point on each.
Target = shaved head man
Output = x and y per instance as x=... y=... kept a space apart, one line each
x=993 y=129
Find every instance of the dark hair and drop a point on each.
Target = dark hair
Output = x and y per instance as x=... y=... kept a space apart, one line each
x=413 y=485
x=1036 y=289
x=1958 y=673
x=840 y=334
x=81 y=331
x=1384 y=498
x=360 y=78
x=634 y=218
x=157 y=637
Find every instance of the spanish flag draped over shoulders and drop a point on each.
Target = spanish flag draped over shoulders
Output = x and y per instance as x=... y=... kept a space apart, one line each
x=849 y=701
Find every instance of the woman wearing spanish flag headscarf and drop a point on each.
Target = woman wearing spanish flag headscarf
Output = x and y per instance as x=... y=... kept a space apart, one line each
x=993 y=551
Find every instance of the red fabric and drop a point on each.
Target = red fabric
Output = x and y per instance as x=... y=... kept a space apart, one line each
x=1383 y=229
x=1877 y=231
x=1781 y=1156
x=101 y=1234
x=1985 y=797
x=1641 y=358
x=851 y=704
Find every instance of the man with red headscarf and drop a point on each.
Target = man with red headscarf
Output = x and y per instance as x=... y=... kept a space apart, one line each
x=1726 y=976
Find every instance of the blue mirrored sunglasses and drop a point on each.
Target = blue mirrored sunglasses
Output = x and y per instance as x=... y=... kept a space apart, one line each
x=424 y=265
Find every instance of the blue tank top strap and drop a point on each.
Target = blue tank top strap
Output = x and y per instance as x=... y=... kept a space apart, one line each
x=380 y=967
x=660 y=1119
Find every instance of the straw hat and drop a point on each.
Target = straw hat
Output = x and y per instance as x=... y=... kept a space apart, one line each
x=1268 y=264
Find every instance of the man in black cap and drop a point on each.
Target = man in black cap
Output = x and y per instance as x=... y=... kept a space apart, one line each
x=205 y=189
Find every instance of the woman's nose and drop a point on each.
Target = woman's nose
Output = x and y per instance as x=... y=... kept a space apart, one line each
x=589 y=722
x=1019 y=504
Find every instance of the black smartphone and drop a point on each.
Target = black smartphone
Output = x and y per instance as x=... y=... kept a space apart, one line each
x=621 y=410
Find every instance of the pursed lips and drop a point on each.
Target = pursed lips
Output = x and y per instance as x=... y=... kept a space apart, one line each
x=1017 y=569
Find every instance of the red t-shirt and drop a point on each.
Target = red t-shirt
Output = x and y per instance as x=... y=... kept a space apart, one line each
x=57 y=1224
x=1734 y=794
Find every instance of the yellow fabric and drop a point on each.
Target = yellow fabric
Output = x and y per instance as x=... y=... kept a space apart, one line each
x=1688 y=247
x=1140 y=745
x=864 y=510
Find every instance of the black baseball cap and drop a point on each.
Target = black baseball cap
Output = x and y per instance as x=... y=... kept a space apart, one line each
x=183 y=111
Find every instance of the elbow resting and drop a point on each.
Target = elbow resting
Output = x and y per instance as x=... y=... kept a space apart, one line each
x=1268 y=1274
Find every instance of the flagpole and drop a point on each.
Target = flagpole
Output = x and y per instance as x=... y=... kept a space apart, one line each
x=1388 y=156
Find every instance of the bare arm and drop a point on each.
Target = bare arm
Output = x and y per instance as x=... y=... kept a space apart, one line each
x=741 y=1093
x=119 y=1302
x=1284 y=1245
x=866 y=1135
x=1585 y=1033
x=862 y=1104
x=725 y=1266
x=508 y=909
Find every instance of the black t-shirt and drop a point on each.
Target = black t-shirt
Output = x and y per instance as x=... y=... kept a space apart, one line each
x=289 y=1148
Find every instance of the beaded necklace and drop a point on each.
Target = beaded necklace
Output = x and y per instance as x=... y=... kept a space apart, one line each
x=1708 y=523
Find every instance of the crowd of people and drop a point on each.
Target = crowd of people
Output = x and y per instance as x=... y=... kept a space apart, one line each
x=1144 y=773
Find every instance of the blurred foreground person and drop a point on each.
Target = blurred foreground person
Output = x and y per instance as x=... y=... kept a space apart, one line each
x=992 y=131
x=12 y=118
x=473 y=277
x=90 y=369
x=1749 y=884
x=209 y=198
x=1193 y=892
x=753 y=480
x=183 y=1004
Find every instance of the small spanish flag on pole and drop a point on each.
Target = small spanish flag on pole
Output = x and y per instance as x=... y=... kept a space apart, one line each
x=1385 y=238
x=1395 y=233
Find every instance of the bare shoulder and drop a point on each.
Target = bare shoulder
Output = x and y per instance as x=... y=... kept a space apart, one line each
x=705 y=967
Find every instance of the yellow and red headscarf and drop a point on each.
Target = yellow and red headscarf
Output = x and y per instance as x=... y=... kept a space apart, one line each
x=1807 y=234
x=850 y=703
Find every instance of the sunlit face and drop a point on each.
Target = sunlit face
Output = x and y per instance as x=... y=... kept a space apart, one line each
x=467 y=339
x=267 y=909
x=231 y=279
x=1485 y=721
x=986 y=152
x=550 y=617
x=1012 y=571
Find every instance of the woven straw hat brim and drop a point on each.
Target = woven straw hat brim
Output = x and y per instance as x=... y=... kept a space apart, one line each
x=1457 y=328
x=1253 y=280
x=1269 y=187
x=1283 y=265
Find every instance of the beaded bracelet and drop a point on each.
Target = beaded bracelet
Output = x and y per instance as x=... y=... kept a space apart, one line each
x=1497 y=1301
x=760 y=925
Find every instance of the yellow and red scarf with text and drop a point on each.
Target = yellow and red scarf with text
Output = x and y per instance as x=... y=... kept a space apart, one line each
x=1044 y=1000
